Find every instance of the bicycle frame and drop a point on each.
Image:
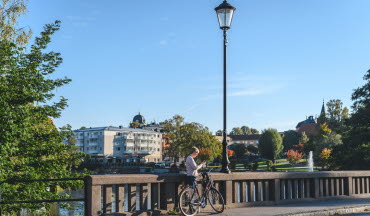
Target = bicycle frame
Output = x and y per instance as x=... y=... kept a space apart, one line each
x=205 y=191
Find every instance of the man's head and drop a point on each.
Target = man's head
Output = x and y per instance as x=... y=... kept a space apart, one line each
x=194 y=151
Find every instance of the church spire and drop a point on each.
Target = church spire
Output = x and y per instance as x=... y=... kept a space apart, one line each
x=322 y=117
x=323 y=108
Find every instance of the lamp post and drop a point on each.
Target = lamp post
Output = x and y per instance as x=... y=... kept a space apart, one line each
x=225 y=14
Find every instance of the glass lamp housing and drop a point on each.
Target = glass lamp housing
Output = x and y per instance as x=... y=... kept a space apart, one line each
x=225 y=14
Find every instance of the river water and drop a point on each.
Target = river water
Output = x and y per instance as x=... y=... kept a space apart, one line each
x=77 y=207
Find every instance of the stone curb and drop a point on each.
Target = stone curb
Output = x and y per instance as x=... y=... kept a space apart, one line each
x=338 y=211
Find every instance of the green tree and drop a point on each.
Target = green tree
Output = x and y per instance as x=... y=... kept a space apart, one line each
x=303 y=139
x=355 y=152
x=239 y=150
x=245 y=130
x=326 y=138
x=236 y=131
x=337 y=115
x=31 y=146
x=270 y=144
x=290 y=139
x=10 y=11
x=252 y=149
x=219 y=133
x=184 y=135
x=254 y=131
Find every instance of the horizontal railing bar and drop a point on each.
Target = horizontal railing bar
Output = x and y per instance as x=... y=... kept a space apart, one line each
x=42 y=201
x=39 y=180
x=178 y=178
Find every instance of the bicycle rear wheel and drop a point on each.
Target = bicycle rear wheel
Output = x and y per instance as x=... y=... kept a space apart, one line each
x=216 y=200
x=189 y=202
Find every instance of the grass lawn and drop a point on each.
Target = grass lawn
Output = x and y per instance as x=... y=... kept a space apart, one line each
x=282 y=165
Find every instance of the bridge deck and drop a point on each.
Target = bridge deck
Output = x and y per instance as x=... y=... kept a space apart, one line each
x=323 y=206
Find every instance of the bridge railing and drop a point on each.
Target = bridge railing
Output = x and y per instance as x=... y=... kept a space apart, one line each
x=149 y=192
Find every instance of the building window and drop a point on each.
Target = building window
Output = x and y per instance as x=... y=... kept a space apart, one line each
x=119 y=149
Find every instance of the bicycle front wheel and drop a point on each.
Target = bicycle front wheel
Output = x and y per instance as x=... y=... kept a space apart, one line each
x=216 y=200
x=189 y=202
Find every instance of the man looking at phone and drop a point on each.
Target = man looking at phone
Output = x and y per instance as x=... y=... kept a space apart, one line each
x=192 y=167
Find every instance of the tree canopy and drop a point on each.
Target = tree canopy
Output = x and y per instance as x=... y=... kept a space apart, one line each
x=11 y=10
x=31 y=146
x=290 y=139
x=183 y=136
x=270 y=144
x=243 y=130
x=355 y=151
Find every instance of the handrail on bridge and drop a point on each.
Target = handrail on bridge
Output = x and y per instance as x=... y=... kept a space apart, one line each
x=13 y=181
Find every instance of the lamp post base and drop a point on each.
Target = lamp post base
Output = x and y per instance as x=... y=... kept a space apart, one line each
x=225 y=170
x=225 y=159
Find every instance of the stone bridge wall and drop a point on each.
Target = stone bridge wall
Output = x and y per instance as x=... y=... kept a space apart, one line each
x=149 y=192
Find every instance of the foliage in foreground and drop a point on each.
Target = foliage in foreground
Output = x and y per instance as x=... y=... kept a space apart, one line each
x=31 y=146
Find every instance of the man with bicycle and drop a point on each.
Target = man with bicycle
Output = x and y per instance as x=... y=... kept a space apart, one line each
x=190 y=199
x=192 y=167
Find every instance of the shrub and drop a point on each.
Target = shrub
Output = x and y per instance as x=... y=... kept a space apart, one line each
x=269 y=165
x=294 y=157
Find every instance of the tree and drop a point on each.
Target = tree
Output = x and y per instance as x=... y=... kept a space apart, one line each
x=252 y=149
x=303 y=139
x=236 y=131
x=11 y=10
x=326 y=138
x=270 y=144
x=183 y=136
x=219 y=133
x=230 y=153
x=290 y=139
x=254 y=131
x=31 y=146
x=239 y=150
x=205 y=154
x=337 y=115
x=294 y=156
x=245 y=130
x=170 y=129
x=355 y=152
x=324 y=157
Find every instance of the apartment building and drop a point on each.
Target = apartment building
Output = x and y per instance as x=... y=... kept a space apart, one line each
x=120 y=144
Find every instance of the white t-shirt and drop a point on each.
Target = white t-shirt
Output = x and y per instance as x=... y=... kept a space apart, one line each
x=191 y=166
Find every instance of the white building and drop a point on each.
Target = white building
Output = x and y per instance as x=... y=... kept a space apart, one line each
x=120 y=144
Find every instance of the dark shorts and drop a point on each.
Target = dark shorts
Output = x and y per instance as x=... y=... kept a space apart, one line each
x=191 y=181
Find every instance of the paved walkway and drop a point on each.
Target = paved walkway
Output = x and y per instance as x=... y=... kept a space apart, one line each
x=313 y=208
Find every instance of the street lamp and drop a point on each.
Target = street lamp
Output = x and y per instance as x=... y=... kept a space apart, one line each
x=225 y=14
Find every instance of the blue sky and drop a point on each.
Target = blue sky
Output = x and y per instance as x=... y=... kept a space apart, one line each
x=164 y=58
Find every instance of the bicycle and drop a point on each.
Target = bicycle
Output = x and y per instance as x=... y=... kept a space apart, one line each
x=190 y=201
